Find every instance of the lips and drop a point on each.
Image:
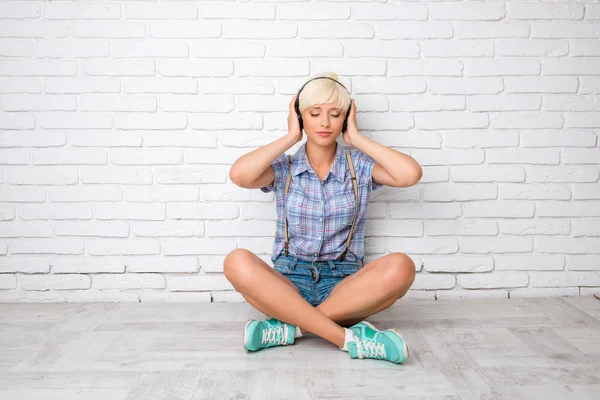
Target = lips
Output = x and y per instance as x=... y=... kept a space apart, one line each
x=324 y=134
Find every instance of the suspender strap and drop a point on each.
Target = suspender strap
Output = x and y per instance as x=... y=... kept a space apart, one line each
x=349 y=159
x=354 y=184
x=287 y=187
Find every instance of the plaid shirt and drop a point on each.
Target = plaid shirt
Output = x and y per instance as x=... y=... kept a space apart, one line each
x=320 y=213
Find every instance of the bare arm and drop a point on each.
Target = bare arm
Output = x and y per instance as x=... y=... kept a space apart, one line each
x=392 y=168
x=253 y=170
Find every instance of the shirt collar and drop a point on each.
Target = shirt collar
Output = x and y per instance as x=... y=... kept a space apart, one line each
x=300 y=163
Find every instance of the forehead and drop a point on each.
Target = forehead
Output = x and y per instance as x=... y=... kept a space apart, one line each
x=325 y=106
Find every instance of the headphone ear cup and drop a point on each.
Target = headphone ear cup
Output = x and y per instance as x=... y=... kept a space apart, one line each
x=345 y=126
x=298 y=113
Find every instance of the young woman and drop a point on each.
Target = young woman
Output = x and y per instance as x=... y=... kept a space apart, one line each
x=319 y=283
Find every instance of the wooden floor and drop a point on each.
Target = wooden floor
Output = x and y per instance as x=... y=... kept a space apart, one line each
x=460 y=349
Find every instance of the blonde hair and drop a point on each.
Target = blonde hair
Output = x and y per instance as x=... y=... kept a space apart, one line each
x=322 y=91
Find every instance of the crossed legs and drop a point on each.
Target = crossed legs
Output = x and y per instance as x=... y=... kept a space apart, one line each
x=372 y=289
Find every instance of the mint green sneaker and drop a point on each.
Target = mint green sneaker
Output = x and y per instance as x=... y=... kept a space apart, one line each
x=382 y=345
x=362 y=325
x=272 y=332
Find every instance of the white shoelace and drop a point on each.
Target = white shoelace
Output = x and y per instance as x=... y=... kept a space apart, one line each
x=369 y=348
x=275 y=334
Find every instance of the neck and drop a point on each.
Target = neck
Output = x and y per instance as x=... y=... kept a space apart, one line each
x=321 y=156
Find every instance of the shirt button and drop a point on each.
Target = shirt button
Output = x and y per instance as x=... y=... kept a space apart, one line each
x=321 y=219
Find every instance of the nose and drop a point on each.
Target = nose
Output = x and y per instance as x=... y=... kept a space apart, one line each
x=325 y=121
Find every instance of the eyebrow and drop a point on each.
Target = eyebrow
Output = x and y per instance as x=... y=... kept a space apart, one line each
x=334 y=109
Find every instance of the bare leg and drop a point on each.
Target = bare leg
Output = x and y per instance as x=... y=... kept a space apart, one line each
x=277 y=297
x=379 y=285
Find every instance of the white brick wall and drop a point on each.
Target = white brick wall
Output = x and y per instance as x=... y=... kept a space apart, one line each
x=119 y=122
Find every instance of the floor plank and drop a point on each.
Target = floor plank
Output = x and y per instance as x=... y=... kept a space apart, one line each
x=460 y=349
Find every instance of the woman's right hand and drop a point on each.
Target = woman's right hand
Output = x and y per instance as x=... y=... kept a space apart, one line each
x=293 y=124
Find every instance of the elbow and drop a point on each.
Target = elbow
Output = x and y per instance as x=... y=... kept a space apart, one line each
x=234 y=175
x=237 y=176
x=416 y=175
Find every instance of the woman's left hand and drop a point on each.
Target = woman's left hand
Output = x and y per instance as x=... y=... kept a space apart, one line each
x=352 y=130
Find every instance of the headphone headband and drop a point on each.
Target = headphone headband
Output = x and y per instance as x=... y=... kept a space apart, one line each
x=321 y=77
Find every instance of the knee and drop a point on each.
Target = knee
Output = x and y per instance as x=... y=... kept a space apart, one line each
x=236 y=264
x=401 y=271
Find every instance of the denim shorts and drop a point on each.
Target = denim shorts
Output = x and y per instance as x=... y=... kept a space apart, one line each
x=315 y=280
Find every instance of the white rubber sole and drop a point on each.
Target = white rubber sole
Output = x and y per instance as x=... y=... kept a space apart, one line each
x=403 y=341
x=245 y=340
